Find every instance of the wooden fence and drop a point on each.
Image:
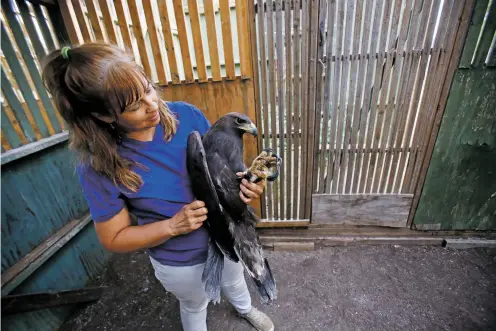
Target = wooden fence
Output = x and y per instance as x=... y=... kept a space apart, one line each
x=28 y=114
x=348 y=93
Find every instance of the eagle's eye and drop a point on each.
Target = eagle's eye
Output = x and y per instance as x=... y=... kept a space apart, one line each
x=240 y=121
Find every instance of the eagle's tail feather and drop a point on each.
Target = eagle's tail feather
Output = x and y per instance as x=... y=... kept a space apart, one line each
x=266 y=285
x=212 y=273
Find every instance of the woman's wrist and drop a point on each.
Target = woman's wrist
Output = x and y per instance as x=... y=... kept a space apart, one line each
x=168 y=230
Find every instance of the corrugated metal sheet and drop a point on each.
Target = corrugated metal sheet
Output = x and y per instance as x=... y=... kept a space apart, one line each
x=40 y=194
x=459 y=191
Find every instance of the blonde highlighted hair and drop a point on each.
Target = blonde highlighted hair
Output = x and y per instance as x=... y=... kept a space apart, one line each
x=92 y=81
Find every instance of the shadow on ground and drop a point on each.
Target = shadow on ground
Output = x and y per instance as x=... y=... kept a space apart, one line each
x=342 y=288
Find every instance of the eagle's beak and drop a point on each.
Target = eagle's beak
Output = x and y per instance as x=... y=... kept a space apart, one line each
x=251 y=129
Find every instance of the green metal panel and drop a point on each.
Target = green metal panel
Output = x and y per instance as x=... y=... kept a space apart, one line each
x=21 y=80
x=40 y=194
x=30 y=62
x=460 y=188
x=16 y=107
x=80 y=261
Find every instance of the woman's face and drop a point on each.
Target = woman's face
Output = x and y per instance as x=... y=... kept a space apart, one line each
x=143 y=114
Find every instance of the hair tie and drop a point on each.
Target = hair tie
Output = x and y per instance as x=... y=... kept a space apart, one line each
x=65 y=52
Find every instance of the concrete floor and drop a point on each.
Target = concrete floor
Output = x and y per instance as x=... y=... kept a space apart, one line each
x=338 y=288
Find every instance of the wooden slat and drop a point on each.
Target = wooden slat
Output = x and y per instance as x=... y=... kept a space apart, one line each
x=394 y=98
x=5 y=143
x=424 y=45
x=280 y=110
x=25 y=87
x=361 y=209
x=194 y=17
x=344 y=117
x=331 y=181
x=138 y=34
x=252 y=22
x=169 y=42
x=124 y=24
x=17 y=273
x=404 y=98
x=183 y=41
x=319 y=94
x=305 y=53
x=45 y=28
x=326 y=103
x=212 y=40
x=71 y=22
x=244 y=46
x=427 y=102
x=14 y=304
x=406 y=134
x=27 y=111
x=95 y=20
x=359 y=120
x=225 y=19
x=157 y=54
x=353 y=112
x=81 y=20
x=289 y=111
x=296 y=108
x=28 y=26
x=25 y=24
x=11 y=118
x=10 y=132
x=264 y=103
x=454 y=46
x=29 y=81
x=384 y=112
x=272 y=91
x=311 y=102
x=108 y=21
x=369 y=161
x=361 y=161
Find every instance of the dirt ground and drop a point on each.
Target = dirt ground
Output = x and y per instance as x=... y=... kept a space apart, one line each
x=339 y=288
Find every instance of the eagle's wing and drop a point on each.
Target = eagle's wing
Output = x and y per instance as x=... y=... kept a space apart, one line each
x=204 y=189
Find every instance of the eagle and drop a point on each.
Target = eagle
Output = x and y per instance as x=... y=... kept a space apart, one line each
x=212 y=163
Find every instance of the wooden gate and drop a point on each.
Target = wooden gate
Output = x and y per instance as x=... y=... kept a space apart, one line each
x=348 y=91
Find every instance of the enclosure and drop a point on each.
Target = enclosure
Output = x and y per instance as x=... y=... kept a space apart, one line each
x=383 y=112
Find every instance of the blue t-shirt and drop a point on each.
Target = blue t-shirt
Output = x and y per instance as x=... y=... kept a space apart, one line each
x=166 y=187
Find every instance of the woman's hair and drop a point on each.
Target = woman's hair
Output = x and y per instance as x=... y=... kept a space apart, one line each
x=92 y=81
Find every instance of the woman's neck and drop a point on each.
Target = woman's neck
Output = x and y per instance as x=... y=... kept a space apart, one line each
x=143 y=135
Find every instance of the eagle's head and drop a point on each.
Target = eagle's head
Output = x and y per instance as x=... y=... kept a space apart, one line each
x=238 y=123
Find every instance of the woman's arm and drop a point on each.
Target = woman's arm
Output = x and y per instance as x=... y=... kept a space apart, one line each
x=118 y=235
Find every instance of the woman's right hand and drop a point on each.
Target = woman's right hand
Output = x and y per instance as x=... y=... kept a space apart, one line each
x=189 y=218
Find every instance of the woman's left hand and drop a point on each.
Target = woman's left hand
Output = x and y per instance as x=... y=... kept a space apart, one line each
x=250 y=191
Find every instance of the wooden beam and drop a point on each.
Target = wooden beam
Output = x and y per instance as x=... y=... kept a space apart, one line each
x=361 y=209
x=33 y=147
x=13 y=304
x=283 y=223
x=16 y=274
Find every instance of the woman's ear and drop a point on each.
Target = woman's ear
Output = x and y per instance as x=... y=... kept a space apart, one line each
x=103 y=118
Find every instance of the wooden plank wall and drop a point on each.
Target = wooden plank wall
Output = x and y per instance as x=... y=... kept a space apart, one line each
x=351 y=94
x=28 y=113
x=460 y=182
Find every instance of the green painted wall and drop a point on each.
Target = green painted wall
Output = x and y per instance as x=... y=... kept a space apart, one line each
x=460 y=188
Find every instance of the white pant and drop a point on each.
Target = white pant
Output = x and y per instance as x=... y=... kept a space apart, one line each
x=186 y=285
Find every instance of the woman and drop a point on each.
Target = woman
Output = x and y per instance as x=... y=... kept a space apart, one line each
x=133 y=160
